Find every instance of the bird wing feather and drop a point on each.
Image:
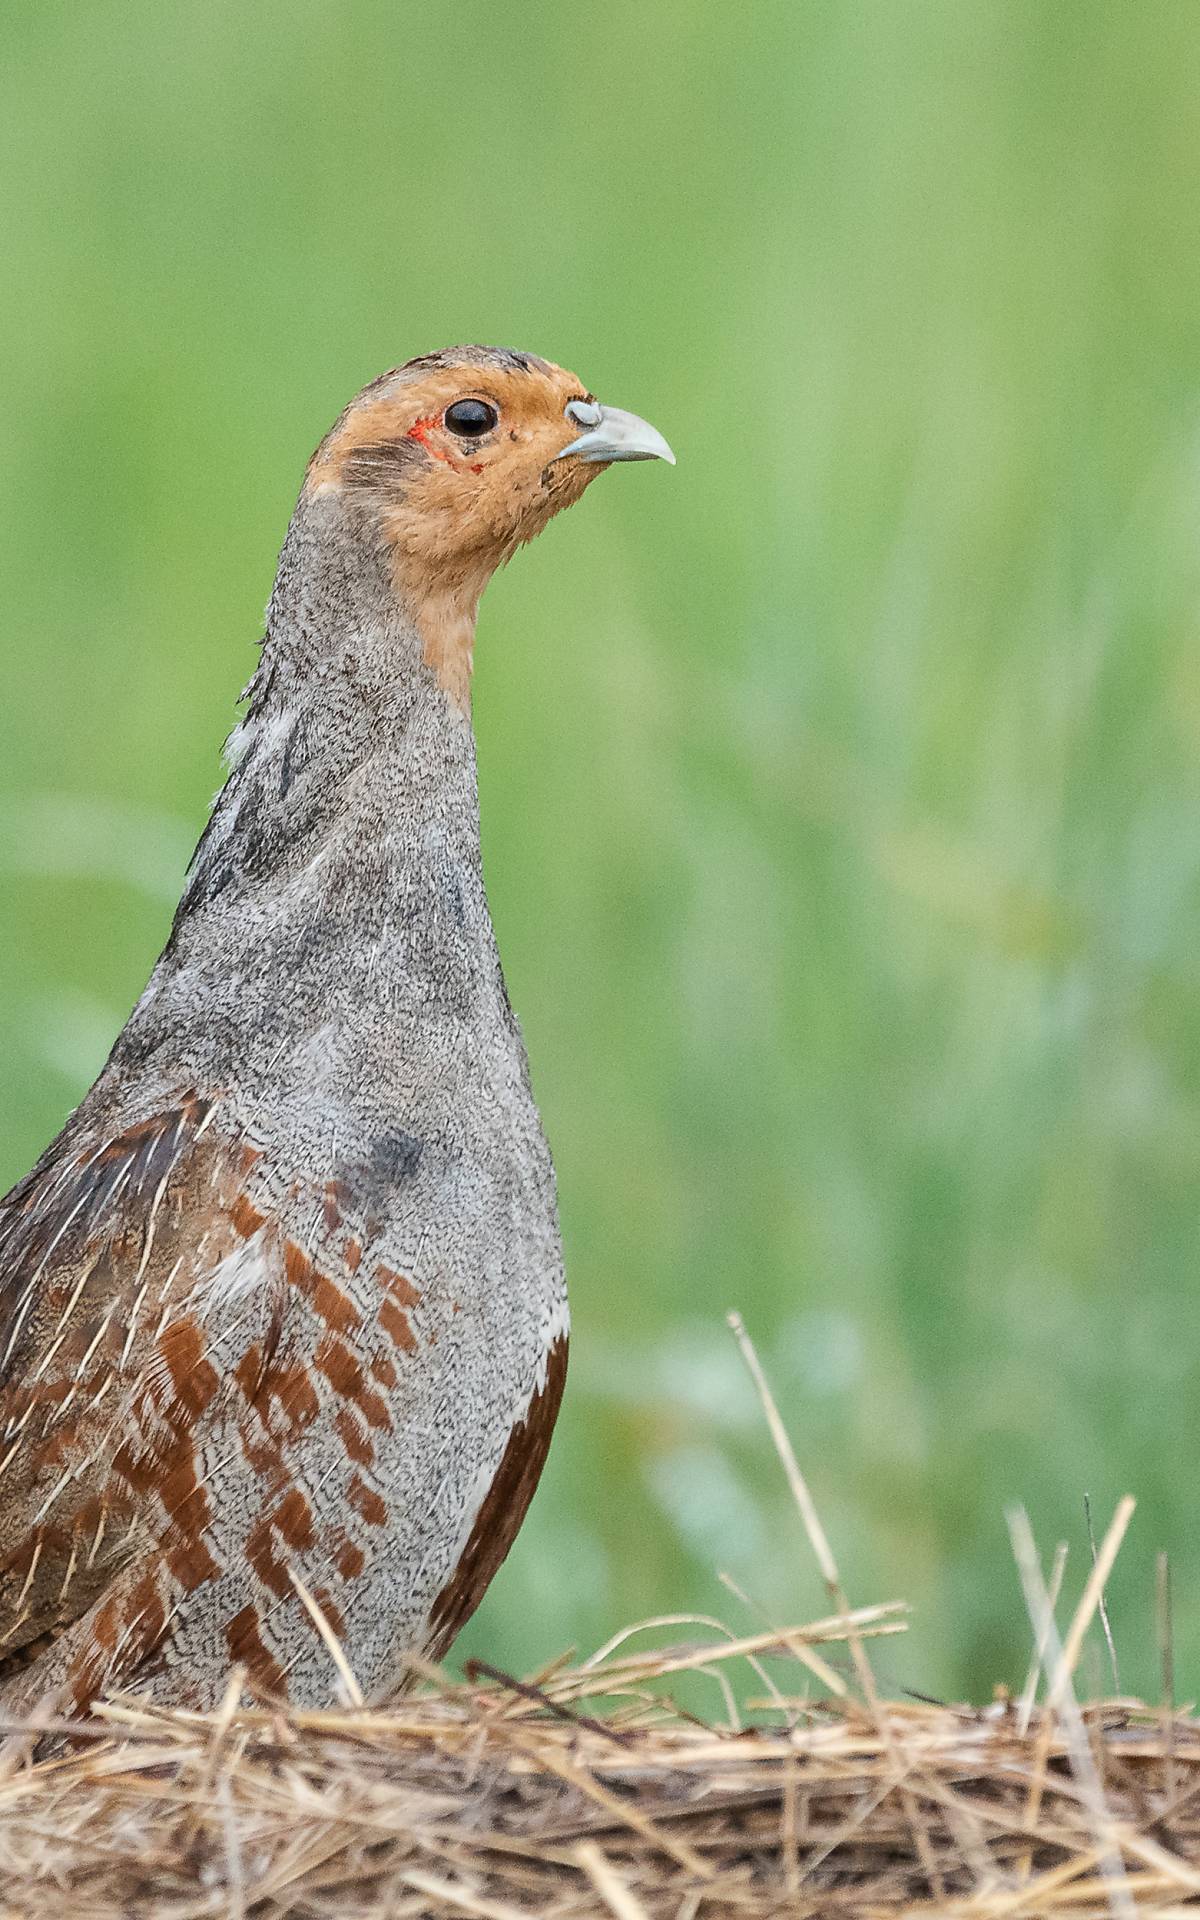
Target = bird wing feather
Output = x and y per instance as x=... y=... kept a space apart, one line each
x=137 y=1284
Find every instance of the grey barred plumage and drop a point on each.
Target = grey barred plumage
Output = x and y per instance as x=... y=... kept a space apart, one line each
x=282 y=1310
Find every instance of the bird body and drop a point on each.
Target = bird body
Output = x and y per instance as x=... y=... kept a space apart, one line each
x=283 y=1322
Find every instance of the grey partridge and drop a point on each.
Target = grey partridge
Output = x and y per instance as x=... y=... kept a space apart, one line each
x=283 y=1327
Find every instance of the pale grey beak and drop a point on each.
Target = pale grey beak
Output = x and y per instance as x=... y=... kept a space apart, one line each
x=614 y=435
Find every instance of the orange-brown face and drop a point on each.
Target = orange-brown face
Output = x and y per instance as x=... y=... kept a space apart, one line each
x=462 y=456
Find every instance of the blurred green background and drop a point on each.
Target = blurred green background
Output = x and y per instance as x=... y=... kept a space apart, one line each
x=841 y=788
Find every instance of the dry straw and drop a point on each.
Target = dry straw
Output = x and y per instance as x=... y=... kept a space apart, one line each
x=585 y=1792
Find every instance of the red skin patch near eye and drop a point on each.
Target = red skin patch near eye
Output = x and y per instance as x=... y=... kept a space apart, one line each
x=420 y=430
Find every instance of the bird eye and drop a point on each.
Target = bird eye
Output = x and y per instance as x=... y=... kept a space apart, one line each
x=471 y=418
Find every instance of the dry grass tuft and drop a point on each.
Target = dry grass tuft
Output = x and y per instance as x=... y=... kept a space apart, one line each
x=586 y=1793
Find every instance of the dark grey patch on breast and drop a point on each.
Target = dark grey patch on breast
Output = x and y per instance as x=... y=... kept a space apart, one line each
x=395 y=1156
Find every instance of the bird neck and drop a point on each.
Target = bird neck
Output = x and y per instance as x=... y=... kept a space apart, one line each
x=350 y=728
x=336 y=898
x=347 y=614
x=351 y=809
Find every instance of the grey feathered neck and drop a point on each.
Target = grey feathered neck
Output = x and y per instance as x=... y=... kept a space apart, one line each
x=340 y=870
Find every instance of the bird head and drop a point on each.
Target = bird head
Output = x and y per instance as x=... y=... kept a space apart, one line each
x=458 y=458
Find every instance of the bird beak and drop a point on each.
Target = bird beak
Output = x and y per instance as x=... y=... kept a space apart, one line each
x=618 y=435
